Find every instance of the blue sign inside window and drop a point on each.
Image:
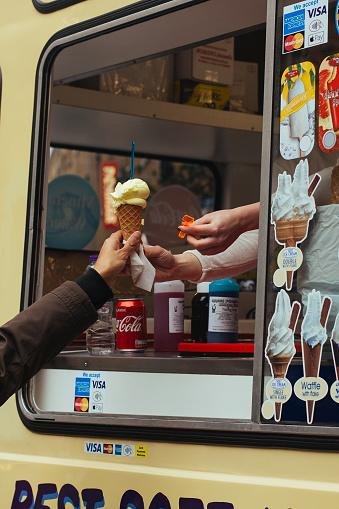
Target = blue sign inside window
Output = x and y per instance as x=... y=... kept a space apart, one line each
x=73 y=213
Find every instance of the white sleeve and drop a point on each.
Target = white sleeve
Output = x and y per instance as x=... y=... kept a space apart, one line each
x=240 y=257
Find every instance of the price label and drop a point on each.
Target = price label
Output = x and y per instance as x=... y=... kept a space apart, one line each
x=290 y=258
x=278 y=390
x=334 y=391
x=310 y=388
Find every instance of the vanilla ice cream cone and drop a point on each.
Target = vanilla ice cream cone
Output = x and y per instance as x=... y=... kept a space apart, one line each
x=129 y=219
x=279 y=368
x=312 y=359
x=129 y=200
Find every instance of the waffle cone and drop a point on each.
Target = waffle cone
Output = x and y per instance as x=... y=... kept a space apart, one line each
x=312 y=359
x=129 y=219
x=300 y=227
x=284 y=231
x=291 y=231
x=279 y=368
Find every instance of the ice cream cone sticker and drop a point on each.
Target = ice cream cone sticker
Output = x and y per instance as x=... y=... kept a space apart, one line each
x=313 y=337
x=280 y=348
x=293 y=207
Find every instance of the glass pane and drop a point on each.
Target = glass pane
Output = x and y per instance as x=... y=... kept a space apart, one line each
x=302 y=299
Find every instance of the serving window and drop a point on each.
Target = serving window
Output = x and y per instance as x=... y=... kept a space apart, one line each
x=196 y=158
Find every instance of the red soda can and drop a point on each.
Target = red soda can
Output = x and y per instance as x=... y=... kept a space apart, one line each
x=131 y=334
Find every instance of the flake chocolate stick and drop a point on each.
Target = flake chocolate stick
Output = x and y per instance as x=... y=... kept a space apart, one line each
x=314 y=184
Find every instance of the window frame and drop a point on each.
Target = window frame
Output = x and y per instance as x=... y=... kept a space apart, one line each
x=246 y=433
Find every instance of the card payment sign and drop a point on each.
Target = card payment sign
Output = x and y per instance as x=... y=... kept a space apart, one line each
x=305 y=24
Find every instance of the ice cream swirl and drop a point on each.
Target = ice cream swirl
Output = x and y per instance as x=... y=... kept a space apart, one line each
x=132 y=192
x=282 y=205
x=280 y=341
x=303 y=205
x=312 y=331
x=291 y=200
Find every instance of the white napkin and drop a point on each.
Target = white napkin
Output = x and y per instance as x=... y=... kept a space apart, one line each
x=142 y=271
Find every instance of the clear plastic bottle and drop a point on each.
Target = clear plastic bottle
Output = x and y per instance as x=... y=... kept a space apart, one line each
x=199 y=322
x=168 y=315
x=99 y=336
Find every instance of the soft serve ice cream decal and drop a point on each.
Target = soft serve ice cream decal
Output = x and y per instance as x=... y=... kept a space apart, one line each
x=280 y=350
x=297 y=110
x=311 y=387
x=292 y=209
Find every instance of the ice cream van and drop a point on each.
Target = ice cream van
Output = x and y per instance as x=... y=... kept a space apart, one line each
x=254 y=424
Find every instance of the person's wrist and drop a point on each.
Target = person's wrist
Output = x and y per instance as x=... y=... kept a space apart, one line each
x=187 y=267
x=247 y=217
x=106 y=275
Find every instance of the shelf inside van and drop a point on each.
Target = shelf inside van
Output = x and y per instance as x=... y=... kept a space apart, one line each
x=126 y=105
x=153 y=363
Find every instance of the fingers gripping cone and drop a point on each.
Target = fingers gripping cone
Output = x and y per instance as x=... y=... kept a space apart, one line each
x=129 y=219
x=280 y=365
x=312 y=357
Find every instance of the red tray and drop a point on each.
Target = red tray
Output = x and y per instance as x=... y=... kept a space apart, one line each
x=234 y=348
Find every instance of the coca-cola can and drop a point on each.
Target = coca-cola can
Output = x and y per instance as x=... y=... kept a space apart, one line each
x=131 y=334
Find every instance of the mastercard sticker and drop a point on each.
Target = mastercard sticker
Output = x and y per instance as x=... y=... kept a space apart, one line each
x=81 y=394
x=305 y=24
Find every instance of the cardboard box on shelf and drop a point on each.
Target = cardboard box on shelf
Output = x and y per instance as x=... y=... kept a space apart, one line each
x=244 y=90
x=211 y=63
x=207 y=95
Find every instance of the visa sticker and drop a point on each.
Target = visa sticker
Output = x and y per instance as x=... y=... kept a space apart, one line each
x=305 y=24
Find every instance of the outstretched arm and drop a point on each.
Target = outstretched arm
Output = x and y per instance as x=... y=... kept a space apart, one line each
x=240 y=257
x=39 y=332
x=216 y=231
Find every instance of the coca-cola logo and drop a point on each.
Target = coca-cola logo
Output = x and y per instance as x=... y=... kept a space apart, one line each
x=164 y=212
x=129 y=323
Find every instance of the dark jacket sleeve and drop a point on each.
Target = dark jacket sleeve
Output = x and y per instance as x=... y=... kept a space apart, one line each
x=38 y=333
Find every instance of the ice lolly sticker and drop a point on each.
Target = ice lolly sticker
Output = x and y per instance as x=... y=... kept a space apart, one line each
x=293 y=207
x=280 y=350
x=311 y=387
x=329 y=104
x=297 y=110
